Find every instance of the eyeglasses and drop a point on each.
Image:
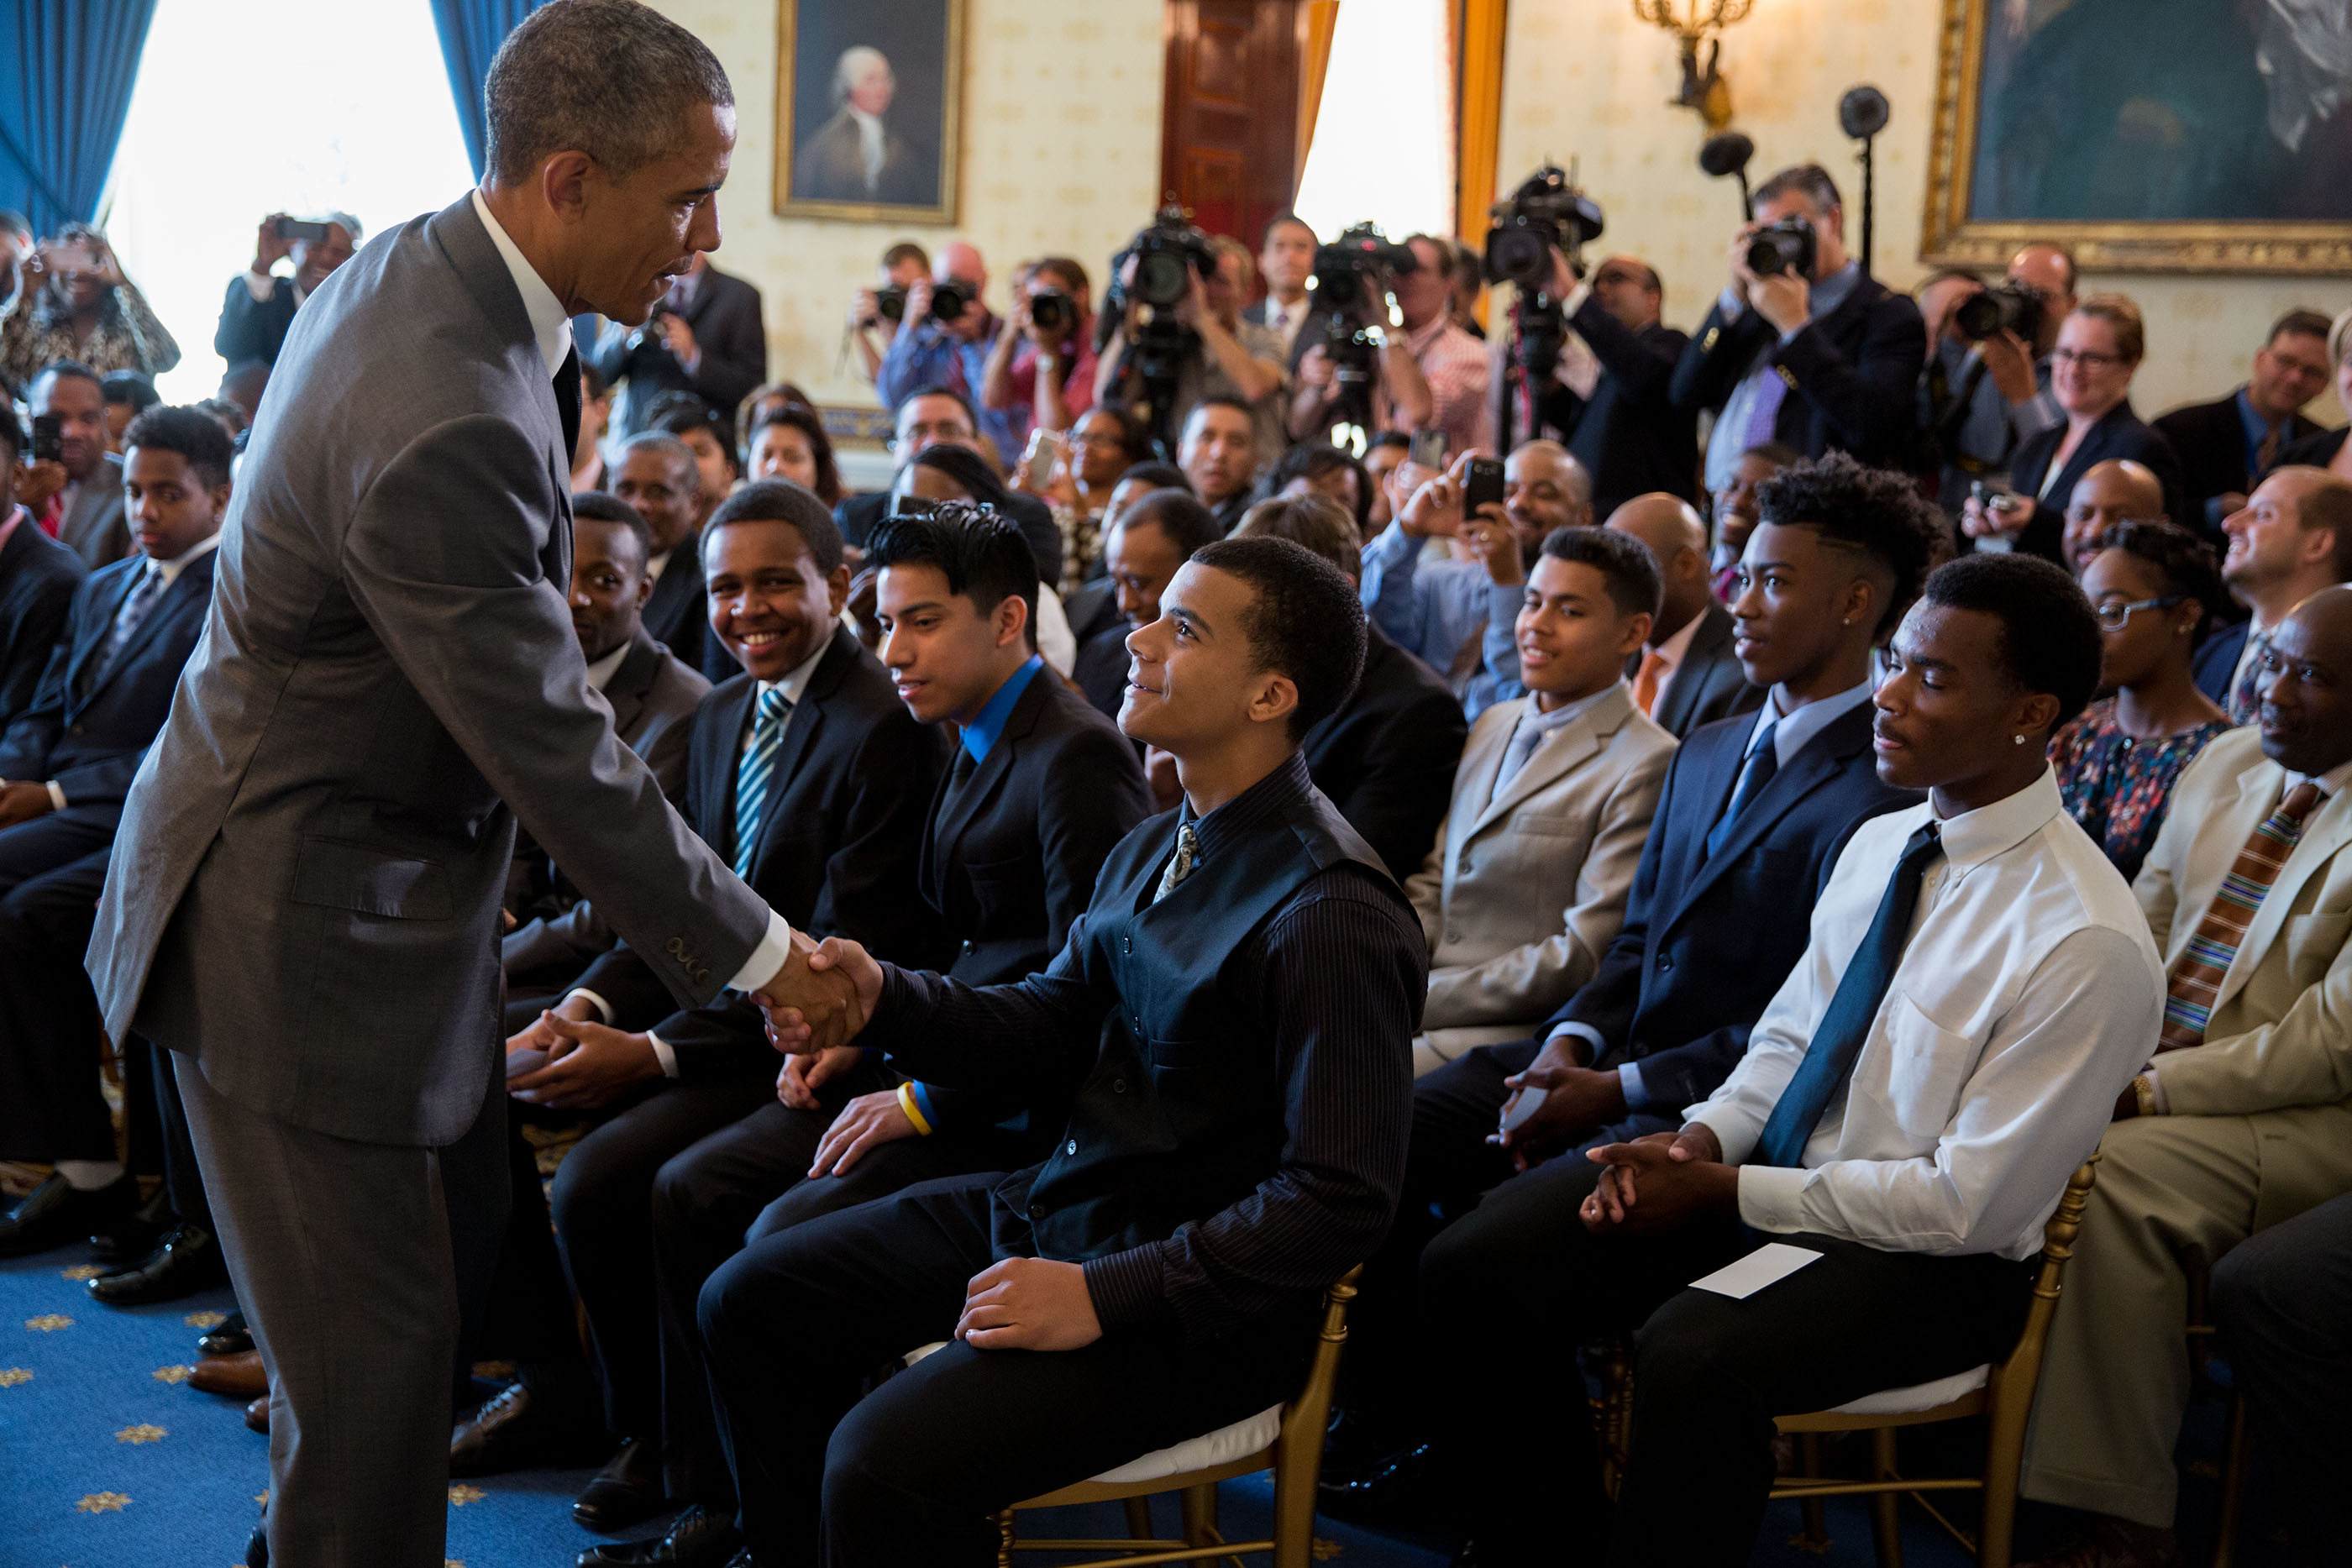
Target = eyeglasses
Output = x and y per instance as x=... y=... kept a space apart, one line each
x=2116 y=617
x=2087 y=361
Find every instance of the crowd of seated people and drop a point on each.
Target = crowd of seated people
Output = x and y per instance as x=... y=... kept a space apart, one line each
x=1851 y=771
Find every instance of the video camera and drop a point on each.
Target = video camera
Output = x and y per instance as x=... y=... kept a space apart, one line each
x=1351 y=274
x=1788 y=245
x=1547 y=211
x=2007 y=307
x=1166 y=255
x=947 y=301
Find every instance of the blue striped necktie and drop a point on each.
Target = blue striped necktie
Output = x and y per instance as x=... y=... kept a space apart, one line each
x=752 y=773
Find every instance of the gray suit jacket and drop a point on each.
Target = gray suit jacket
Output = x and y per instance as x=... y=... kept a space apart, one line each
x=304 y=894
x=96 y=528
x=653 y=698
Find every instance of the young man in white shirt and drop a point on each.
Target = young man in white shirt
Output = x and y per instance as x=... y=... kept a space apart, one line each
x=1978 y=987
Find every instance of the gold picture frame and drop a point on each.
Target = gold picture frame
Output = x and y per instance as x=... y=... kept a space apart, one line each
x=1952 y=236
x=923 y=42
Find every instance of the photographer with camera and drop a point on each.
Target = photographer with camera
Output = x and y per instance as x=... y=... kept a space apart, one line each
x=1040 y=373
x=1172 y=336
x=261 y=304
x=1986 y=388
x=943 y=340
x=1804 y=347
x=75 y=304
x=705 y=336
x=875 y=313
x=1430 y=371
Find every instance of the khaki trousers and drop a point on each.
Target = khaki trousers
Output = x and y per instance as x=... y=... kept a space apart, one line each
x=2117 y=1375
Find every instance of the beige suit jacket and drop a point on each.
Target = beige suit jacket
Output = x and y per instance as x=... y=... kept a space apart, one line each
x=2281 y=1032
x=1524 y=889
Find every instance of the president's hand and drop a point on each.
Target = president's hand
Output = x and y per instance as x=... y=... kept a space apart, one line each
x=1028 y=1303
x=865 y=1121
x=822 y=997
x=1660 y=1182
x=594 y=1066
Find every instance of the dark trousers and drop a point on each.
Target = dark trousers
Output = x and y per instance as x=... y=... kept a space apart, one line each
x=1523 y=1284
x=149 y=1082
x=2282 y=1302
x=795 y=1325
x=52 y=869
x=603 y=1209
x=748 y=1181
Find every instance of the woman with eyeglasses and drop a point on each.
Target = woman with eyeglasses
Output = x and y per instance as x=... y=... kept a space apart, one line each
x=2152 y=586
x=1075 y=473
x=2100 y=344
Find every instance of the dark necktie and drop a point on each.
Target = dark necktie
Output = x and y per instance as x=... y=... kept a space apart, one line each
x=1762 y=762
x=567 y=401
x=1838 y=1037
x=136 y=605
x=960 y=774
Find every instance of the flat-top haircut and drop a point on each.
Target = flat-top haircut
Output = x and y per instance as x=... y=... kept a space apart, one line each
x=608 y=78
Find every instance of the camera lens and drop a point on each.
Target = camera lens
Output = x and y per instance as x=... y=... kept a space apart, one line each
x=1978 y=317
x=1768 y=254
x=947 y=301
x=1518 y=255
x=1049 y=311
x=1162 y=278
x=892 y=304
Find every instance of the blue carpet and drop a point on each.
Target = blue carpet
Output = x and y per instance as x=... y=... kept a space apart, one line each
x=112 y=1463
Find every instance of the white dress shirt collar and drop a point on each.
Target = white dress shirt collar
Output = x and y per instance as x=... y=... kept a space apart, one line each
x=795 y=684
x=550 y=327
x=172 y=568
x=2331 y=783
x=1975 y=837
x=602 y=669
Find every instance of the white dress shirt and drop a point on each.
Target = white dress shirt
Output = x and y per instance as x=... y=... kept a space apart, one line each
x=604 y=666
x=2025 y=1001
x=551 y=329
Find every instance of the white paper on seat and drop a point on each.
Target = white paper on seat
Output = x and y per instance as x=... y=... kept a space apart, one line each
x=1773 y=1261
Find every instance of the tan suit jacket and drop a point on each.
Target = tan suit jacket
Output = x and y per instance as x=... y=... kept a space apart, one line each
x=1524 y=890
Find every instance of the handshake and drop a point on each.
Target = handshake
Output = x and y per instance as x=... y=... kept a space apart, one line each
x=822 y=997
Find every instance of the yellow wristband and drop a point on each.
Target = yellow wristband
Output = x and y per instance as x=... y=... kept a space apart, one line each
x=908 y=1103
x=2144 y=1093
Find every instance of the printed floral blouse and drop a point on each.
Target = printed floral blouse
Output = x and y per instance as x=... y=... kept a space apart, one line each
x=2117 y=786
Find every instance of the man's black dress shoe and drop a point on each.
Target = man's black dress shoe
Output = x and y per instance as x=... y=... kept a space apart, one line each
x=1353 y=1445
x=188 y=1259
x=57 y=1212
x=626 y=1491
x=696 y=1540
x=232 y=1338
x=1404 y=1492
x=515 y=1432
x=134 y=1235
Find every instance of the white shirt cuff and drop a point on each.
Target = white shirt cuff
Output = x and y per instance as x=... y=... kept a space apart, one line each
x=57 y=795
x=2155 y=1083
x=1637 y=1093
x=1771 y=1196
x=603 y=1008
x=1738 y=1139
x=766 y=959
x=663 y=1054
x=262 y=286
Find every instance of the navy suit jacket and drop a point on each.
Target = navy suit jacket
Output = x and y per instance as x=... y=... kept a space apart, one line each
x=2217 y=660
x=1630 y=436
x=2120 y=433
x=1852 y=374
x=88 y=728
x=839 y=842
x=1707 y=940
x=37 y=579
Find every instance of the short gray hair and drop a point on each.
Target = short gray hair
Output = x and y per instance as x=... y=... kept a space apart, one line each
x=607 y=77
x=855 y=58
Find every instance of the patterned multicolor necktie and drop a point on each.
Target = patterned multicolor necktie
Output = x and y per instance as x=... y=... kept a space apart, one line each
x=1179 y=866
x=2246 y=692
x=753 y=772
x=2197 y=978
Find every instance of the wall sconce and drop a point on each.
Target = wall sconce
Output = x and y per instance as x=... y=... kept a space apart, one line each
x=1693 y=22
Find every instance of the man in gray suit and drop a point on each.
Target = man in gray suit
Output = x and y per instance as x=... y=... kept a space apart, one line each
x=303 y=902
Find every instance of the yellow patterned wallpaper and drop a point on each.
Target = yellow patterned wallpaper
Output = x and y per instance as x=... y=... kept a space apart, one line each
x=1581 y=78
x=1060 y=154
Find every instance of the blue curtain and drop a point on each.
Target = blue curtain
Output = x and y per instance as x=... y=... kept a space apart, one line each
x=64 y=92
x=472 y=32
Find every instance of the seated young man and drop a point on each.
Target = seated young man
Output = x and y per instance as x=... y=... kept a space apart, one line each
x=1042 y=789
x=1526 y=885
x=652 y=695
x=2240 y=1121
x=1239 y=996
x=808 y=775
x=1755 y=813
x=65 y=763
x=1977 y=986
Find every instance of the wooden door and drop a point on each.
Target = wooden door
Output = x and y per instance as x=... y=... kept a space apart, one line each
x=1230 y=118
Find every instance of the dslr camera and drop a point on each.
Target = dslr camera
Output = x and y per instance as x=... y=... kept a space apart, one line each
x=1788 y=245
x=1165 y=255
x=947 y=301
x=2007 y=307
x=1052 y=311
x=1547 y=211
x=1352 y=273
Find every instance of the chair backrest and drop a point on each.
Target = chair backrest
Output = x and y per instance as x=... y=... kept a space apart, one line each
x=1304 y=1418
x=2015 y=1378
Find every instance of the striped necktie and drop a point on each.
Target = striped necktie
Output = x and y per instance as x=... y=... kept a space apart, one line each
x=135 y=610
x=754 y=772
x=2246 y=691
x=2196 y=978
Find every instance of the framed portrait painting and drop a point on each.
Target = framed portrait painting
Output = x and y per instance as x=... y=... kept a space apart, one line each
x=868 y=94
x=2145 y=135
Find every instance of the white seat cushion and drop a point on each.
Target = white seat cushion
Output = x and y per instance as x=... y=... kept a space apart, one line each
x=1918 y=1396
x=1222 y=1447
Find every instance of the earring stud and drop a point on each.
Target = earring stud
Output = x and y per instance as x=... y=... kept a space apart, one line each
x=2016 y=740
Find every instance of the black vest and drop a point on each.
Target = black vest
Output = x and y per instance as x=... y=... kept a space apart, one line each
x=1183 y=1114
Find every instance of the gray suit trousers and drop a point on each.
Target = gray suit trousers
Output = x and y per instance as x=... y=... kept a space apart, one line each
x=342 y=1256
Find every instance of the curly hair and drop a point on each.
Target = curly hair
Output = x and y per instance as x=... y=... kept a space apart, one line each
x=1304 y=621
x=1875 y=511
